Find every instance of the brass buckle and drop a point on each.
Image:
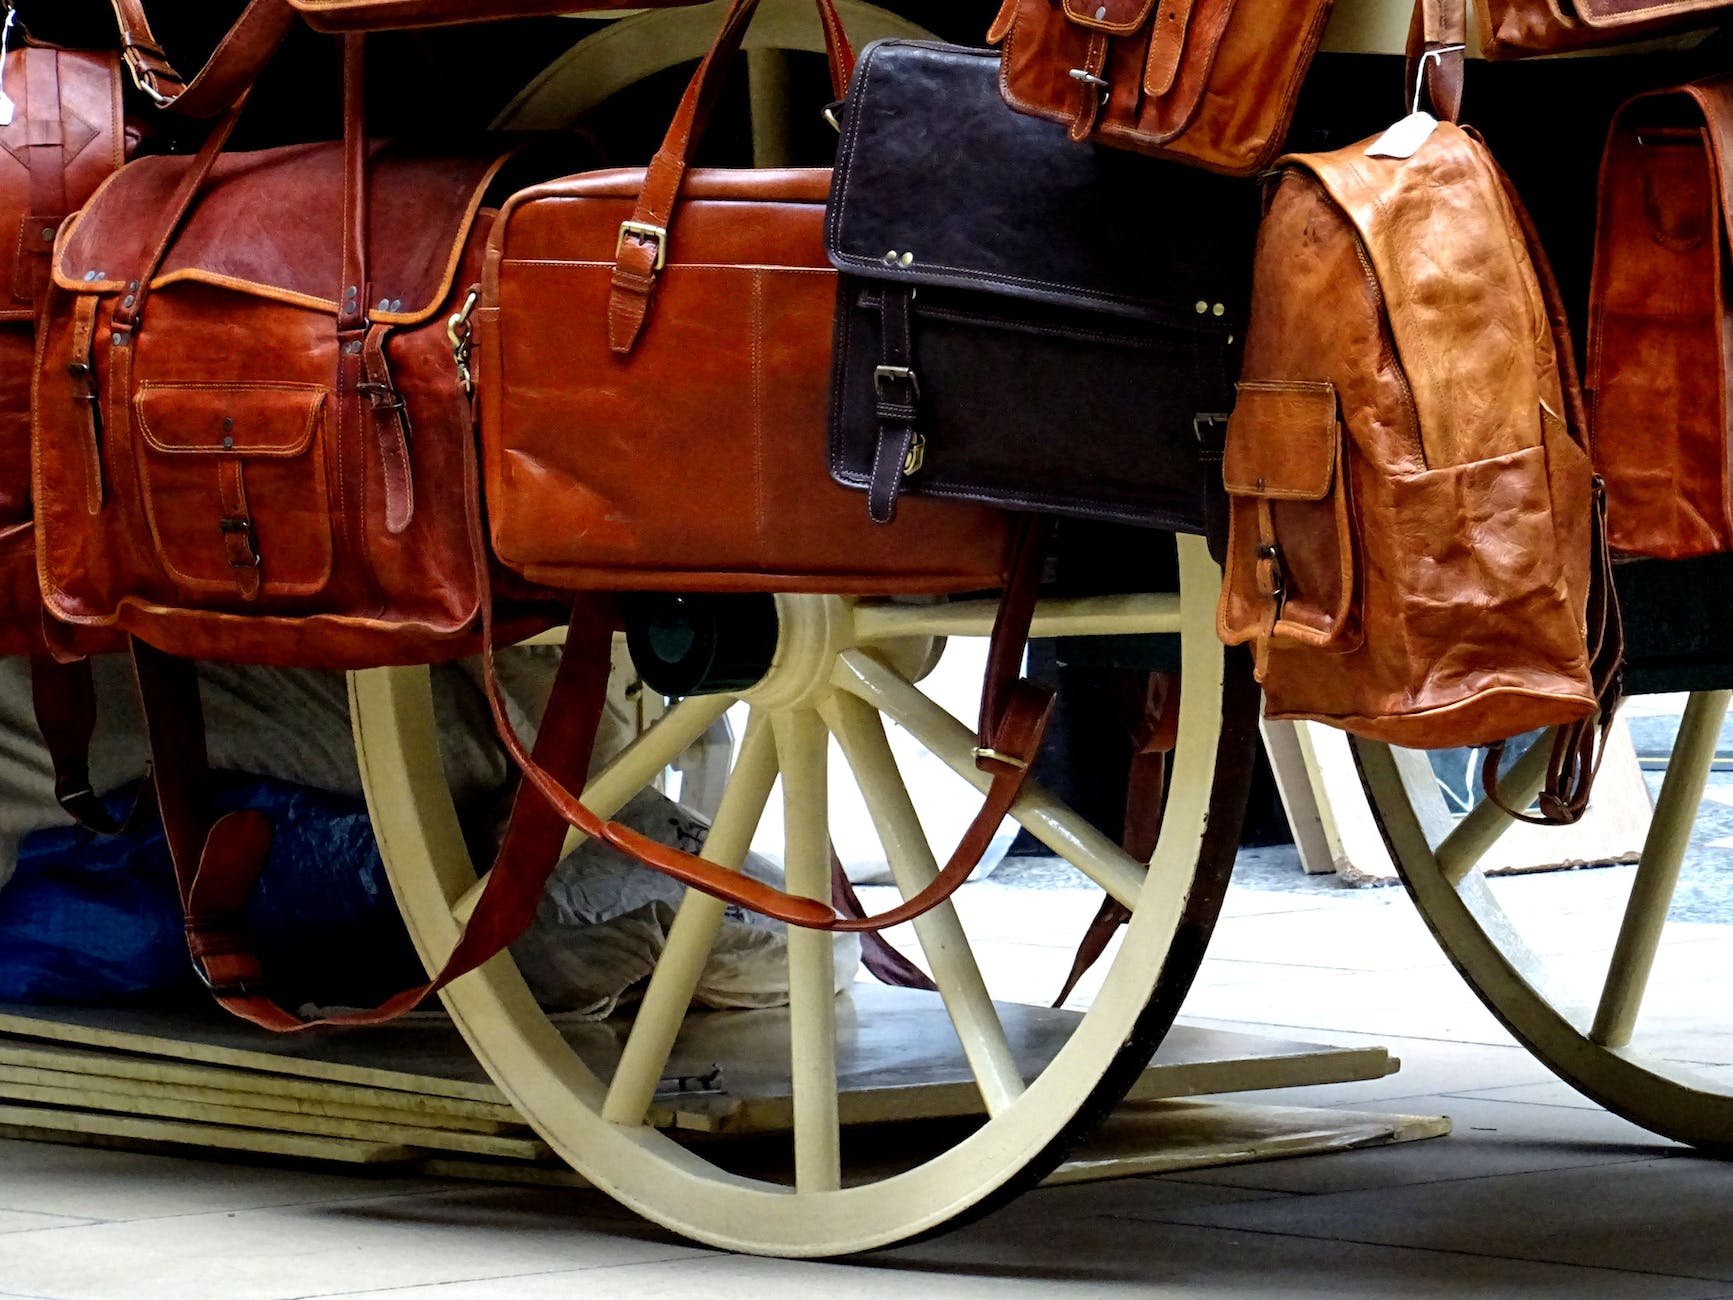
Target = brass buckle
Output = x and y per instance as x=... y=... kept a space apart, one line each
x=645 y=233
x=891 y=374
x=916 y=457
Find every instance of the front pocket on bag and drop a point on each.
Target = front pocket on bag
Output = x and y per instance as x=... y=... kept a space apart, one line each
x=1291 y=556
x=233 y=477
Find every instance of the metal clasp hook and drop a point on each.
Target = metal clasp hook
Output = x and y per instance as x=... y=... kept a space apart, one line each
x=1431 y=56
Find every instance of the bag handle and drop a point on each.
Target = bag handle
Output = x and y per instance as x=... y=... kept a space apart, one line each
x=1014 y=715
x=642 y=250
x=231 y=70
x=1437 y=48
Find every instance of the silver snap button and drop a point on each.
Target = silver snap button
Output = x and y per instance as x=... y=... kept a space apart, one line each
x=1101 y=12
x=48 y=234
x=228 y=443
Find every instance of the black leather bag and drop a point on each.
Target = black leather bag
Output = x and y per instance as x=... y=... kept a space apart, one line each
x=1025 y=321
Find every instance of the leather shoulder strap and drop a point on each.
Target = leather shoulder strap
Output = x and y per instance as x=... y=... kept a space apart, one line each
x=1437 y=50
x=233 y=66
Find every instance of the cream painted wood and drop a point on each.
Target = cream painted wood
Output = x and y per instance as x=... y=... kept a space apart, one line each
x=681 y=1186
x=1530 y=992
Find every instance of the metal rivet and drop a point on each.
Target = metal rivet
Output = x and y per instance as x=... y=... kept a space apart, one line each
x=384 y=305
x=1260 y=483
x=352 y=292
x=1219 y=309
x=90 y=277
x=890 y=258
x=129 y=300
x=1101 y=12
x=48 y=234
x=397 y=304
x=907 y=259
x=132 y=287
x=228 y=424
x=352 y=348
x=1202 y=307
x=228 y=443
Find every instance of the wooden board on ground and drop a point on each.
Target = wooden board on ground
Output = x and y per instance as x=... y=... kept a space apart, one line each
x=898 y=1058
x=1326 y=789
x=422 y=1053
x=110 y=1070
x=156 y=1100
x=49 y=1124
x=1163 y=1137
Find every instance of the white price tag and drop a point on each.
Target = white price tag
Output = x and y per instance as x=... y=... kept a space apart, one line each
x=1405 y=138
x=8 y=110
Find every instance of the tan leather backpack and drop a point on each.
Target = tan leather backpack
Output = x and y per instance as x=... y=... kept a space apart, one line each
x=1412 y=503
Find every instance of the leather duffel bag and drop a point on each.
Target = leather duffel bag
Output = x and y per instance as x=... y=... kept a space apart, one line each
x=1408 y=566
x=1659 y=349
x=1024 y=321
x=1206 y=82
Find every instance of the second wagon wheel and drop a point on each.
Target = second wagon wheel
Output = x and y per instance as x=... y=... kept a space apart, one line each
x=1609 y=1010
x=840 y=668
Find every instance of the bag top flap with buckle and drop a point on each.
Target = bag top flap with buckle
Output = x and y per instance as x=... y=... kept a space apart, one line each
x=267 y=224
x=1282 y=441
x=939 y=182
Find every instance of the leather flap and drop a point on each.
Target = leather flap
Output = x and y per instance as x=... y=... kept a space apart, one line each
x=1609 y=15
x=268 y=224
x=1116 y=17
x=1282 y=441
x=229 y=419
x=939 y=182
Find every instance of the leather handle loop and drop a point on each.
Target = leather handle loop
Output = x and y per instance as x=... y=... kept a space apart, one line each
x=1437 y=48
x=644 y=240
x=230 y=71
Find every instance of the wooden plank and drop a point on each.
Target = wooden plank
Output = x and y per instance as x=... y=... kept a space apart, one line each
x=1165 y=1136
x=239 y=1088
x=157 y=1102
x=421 y=1054
x=43 y=1124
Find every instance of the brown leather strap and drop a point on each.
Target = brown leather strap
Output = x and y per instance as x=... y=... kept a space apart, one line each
x=883 y=962
x=1014 y=714
x=1437 y=40
x=897 y=399
x=217 y=860
x=230 y=72
x=64 y=696
x=646 y=237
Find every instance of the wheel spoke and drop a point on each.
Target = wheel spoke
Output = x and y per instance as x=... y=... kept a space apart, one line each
x=1082 y=616
x=862 y=736
x=803 y=753
x=693 y=934
x=1485 y=824
x=1658 y=872
x=1047 y=819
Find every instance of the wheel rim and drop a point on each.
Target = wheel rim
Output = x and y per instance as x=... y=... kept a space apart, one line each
x=1593 y=1043
x=592 y=1123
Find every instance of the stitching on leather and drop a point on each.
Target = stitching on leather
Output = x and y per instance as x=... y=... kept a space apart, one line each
x=286 y=449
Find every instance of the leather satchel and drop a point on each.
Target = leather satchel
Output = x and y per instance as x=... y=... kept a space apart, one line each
x=1007 y=331
x=252 y=437
x=1660 y=354
x=1514 y=29
x=1207 y=82
x=1408 y=565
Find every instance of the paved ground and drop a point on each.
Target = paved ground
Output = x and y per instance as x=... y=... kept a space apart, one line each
x=1536 y=1193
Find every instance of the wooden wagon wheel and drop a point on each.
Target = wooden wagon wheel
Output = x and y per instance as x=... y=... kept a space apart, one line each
x=835 y=673
x=1580 y=1015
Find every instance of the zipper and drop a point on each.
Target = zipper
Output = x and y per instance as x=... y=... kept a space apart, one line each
x=1388 y=341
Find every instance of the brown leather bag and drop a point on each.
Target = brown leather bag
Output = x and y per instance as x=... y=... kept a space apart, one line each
x=1206 y=82
x=1660 y=358
x=252 y=442
x=1514 y=29
x=1412 y=508
x=657 y=346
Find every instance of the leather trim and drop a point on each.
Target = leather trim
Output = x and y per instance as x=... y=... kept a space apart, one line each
x=1115 y=17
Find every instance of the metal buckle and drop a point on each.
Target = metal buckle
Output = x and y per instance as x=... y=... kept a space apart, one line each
x=645 y=233
x=1205 y=423
x=916 y=457
x=1278 y=578
x=891 y=374
x=998 y=756
x=233 y=989
x=228 y=525
x=1088 y=78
